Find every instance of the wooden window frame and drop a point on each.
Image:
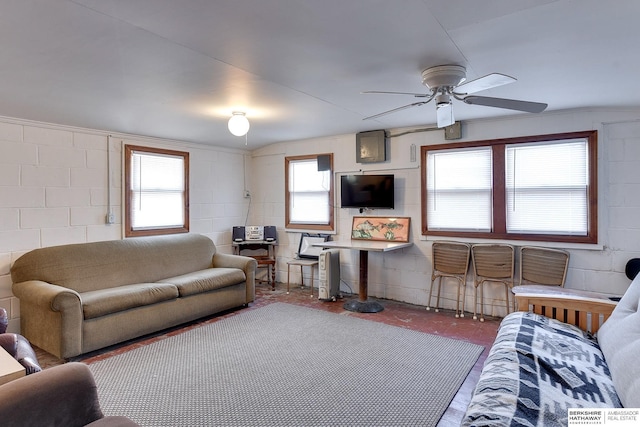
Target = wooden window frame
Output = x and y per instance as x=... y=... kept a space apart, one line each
x=499 y=197
x=151 y=231
x=287 y=198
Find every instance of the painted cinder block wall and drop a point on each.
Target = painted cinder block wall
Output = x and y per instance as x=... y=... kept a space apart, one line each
x=54 y=189
x=405 y=275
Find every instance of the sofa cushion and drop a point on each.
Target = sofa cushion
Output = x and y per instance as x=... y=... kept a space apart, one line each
x=619 y=339
x=206 y=280
x=111 y=300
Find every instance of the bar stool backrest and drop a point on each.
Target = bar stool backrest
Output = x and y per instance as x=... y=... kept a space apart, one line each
x=451 y=257
x=543 y=266
x=493 y=261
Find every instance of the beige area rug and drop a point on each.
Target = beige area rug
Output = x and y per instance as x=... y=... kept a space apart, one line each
x=286 y=365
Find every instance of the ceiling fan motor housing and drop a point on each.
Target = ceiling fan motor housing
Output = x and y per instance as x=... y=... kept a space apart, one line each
x=442 y=99
x=443 y=76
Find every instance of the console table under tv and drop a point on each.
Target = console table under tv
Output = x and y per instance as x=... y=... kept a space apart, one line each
x=363 y=304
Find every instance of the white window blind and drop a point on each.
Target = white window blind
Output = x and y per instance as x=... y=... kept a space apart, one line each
x=459 y=189
x=309 y=191
x=157 y=190
x=547 y=188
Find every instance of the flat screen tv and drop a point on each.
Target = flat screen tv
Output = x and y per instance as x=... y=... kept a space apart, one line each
x=367 y=191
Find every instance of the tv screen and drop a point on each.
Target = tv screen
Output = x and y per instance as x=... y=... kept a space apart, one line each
x=367 y=191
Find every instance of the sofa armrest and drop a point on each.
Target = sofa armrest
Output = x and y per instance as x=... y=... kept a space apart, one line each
x=63 y=395
x=57 y=298
x=586 y=310
x=244 y=263
x=51 y=317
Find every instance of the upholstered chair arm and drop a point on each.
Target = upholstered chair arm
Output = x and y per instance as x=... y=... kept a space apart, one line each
x=64 y=395
x=20 y=349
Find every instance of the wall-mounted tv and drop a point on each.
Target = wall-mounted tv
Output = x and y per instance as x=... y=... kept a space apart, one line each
x=367 y=191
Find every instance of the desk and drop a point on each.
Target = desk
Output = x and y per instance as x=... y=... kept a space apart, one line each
x=268 y=259
x=10 y=369
x=363 y=304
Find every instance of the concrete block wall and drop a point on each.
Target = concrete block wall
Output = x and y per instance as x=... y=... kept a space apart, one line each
x=55 y=189
x=405 y=275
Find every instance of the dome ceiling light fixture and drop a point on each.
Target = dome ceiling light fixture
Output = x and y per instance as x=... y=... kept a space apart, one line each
x=238 y=123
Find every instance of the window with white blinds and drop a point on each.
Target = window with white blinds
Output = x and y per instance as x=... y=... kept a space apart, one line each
x=157 y=191
x=528 y=188
x=459 y=189
x=547 y=188
x=309 y=194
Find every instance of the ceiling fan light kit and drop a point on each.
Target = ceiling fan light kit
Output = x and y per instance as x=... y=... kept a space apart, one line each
x=449 y=81
x=443 y=100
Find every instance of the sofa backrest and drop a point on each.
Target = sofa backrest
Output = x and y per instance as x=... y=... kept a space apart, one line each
x=619 y=340
x=91 y=266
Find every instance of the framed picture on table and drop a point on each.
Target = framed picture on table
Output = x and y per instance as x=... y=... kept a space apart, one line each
x=386 y=229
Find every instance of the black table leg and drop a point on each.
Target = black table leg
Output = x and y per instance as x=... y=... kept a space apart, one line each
x=363 y=304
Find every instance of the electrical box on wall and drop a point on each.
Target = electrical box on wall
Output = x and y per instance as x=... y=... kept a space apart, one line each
x=453 y=131
x=371 y=147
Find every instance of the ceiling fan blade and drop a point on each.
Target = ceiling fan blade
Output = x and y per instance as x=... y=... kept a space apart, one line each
x=510 y=104
x=483 y=83
x=444 y=113
x=417 y=95
x=415 y=104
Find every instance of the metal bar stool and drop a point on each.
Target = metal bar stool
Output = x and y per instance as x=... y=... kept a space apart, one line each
x=450 y=259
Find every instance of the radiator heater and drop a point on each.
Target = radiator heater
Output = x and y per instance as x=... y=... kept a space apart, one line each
x=329 y=266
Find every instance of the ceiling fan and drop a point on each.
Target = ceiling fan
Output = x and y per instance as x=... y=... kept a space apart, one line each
x=448 y=81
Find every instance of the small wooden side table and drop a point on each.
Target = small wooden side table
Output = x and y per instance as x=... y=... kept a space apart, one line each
x=263 y=251
x=10 y=369
x=302 y=263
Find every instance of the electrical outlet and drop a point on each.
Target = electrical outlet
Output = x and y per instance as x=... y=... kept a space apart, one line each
x=246 y=194
x=111 y=218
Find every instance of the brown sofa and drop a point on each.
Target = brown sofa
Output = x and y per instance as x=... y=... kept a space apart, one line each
x=61 y=396
x=78 y=298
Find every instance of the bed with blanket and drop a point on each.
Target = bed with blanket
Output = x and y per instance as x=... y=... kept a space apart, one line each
x=542 y=365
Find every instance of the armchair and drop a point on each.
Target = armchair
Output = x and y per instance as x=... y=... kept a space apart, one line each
x=64 y=396
x=17 y=346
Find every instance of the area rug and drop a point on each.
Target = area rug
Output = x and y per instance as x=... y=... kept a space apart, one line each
x=287 y=365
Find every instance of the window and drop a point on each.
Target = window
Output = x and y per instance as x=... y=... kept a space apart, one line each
x=309 y=192
x=156 y=191
x=541 y=188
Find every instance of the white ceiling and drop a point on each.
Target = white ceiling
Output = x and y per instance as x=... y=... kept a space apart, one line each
x=177 y=69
